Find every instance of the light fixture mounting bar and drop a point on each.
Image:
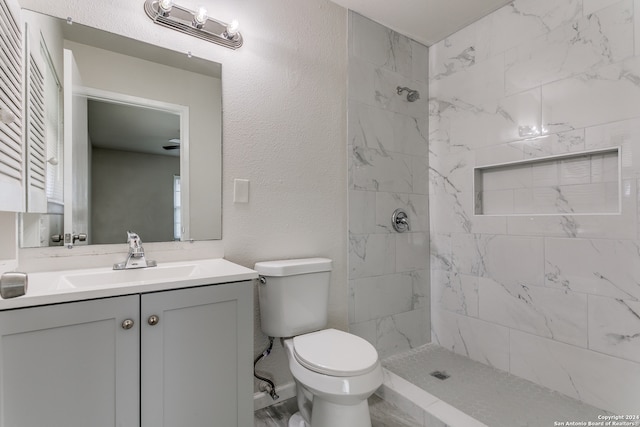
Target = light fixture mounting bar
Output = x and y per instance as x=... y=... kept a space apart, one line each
x=181 y=19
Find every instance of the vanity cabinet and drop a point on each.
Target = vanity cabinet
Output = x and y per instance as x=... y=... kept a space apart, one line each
x=70 y=364
x=170 y=358
x=196 y=367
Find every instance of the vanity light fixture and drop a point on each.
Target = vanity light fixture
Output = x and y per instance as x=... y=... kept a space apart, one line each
x=195 y=23
x=532 y=132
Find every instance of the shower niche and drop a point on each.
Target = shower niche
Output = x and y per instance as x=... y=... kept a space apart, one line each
x=588 y=182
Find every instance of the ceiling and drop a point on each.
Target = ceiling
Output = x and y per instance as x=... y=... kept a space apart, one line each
x=426 y=21
x=132 y=128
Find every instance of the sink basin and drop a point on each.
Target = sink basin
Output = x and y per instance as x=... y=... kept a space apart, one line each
x=133 y=276
x=50 y=287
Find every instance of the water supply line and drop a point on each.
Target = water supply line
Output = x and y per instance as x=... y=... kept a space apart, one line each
x=271 y=387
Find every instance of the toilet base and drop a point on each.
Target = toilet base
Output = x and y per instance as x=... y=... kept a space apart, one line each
x=296 y=420
x=329 y=414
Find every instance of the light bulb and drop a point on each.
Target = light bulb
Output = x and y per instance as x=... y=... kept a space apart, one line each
x=200 y=17
x=232 y=29
x=165 y=6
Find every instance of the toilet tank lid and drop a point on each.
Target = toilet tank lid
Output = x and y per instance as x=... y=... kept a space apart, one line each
x=289 y=267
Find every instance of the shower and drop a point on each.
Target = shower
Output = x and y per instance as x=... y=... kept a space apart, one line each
x=412 y=95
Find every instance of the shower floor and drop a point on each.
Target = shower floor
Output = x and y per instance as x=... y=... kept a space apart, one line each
x=486 y=394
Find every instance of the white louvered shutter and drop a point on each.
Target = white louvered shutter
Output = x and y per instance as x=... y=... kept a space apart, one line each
x=53 y=129
x=36 y=144
x=11 y=146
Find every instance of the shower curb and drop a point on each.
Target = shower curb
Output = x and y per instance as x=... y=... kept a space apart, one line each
x=421 y=405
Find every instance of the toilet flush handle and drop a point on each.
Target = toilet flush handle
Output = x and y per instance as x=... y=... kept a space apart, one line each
x=262 y=280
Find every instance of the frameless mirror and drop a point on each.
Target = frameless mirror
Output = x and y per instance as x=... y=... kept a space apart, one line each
x=120 y=135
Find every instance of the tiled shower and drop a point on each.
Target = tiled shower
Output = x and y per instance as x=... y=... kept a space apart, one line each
x=388 y=169
x=553 y=296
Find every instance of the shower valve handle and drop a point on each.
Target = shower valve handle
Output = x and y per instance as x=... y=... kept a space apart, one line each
x=400 y=221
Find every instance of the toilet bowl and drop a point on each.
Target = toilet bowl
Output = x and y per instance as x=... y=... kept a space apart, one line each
x=335 y=373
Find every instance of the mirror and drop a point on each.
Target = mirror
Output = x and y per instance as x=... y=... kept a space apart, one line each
x=143 y=149
x=121 y=135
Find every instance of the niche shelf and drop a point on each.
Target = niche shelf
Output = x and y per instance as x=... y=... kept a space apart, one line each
x=581 y=183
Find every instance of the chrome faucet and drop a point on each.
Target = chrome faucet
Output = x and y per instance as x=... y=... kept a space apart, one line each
x=136 y=258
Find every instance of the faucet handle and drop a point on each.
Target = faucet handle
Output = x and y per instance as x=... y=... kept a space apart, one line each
x=400 y=221
x=80 y=236
x=135 y=243
x=136 y=258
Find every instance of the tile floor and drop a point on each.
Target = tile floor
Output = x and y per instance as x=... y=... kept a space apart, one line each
x=383 y=414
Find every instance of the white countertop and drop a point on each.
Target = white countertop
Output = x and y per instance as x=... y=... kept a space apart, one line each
x=76 y=285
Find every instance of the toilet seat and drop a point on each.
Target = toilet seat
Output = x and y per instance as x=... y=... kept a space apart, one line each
x=335 y=353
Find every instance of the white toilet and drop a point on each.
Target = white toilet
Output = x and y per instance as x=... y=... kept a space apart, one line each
x=335 y=371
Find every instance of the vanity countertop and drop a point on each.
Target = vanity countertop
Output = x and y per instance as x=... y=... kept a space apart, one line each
x=76 y=285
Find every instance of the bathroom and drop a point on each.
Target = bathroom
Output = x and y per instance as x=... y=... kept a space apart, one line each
x=330 y=150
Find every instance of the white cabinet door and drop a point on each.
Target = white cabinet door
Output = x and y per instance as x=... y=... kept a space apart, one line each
x=196 y=361
x=70 y=365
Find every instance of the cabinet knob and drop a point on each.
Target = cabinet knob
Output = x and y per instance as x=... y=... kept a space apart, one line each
x=153 y=320
x=127 y=324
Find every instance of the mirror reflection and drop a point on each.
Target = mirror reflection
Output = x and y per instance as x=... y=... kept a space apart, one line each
x=135 y=156
x=128 y=138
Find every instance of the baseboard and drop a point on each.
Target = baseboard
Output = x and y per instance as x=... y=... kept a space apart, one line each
x=285 y=391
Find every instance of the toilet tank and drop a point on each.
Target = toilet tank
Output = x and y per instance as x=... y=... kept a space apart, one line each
x=294 y=296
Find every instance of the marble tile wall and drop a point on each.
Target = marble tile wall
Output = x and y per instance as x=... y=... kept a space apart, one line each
x=388 y=150
x=552 y=298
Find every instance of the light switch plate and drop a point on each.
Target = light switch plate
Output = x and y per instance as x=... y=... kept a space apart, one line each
x=240 y=191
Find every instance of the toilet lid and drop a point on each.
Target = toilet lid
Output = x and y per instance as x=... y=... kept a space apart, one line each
x=336 y=353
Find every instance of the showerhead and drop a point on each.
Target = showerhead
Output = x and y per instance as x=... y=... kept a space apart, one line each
x=412 y=95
